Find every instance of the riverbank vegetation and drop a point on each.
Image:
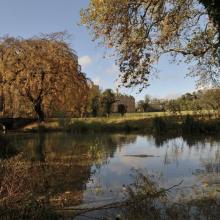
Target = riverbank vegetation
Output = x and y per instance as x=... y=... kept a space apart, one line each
x=159 y=123
x=79 y=105
x=198 y=102
x=196 y=112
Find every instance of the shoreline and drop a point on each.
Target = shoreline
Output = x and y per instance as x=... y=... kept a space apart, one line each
x=173 y=124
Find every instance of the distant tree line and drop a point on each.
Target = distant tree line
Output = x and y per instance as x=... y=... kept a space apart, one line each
x=101 y=102
x=208 y=99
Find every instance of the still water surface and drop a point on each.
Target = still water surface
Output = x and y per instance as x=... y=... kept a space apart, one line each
x=95 y=168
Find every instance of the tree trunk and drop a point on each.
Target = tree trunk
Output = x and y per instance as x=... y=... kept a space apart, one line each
x=39 y=111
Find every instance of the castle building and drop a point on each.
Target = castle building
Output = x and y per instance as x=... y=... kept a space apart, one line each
x=127 y=101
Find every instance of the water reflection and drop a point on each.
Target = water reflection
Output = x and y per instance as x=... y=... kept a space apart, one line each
x=70 y=169
x=191 y=141
x=39 y=148
x=6 y=151
x=60 y=165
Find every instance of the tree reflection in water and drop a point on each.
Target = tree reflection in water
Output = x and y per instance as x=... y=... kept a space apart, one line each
x=6 y=150
x=55 y=168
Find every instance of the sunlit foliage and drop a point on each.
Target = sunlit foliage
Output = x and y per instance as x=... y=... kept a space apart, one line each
x=141 y=31
x=41 y=75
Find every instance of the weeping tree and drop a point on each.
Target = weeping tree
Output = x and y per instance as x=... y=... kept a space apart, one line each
x=41 y=71
x=141 y=31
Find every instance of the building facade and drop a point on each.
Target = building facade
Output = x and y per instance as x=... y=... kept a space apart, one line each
x=127 y=101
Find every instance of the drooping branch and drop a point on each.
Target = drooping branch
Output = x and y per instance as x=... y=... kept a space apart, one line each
x=142 y=31
x=43 y=71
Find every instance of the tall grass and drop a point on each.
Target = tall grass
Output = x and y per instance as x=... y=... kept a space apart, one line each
x=82 y=126
x=155 y=122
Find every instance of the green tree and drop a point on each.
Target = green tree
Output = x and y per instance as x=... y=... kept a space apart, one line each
x=95 y=106
x=122 y=109
x=141 y=31
x=107 y=100
x=94 y=100
x=211 y=99
x=173 y=106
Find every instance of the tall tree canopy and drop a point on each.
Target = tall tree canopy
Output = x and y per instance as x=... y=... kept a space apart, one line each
x=141 y=31
x=43 y=72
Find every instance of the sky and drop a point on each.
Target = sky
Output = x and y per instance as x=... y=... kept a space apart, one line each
x=27 y=18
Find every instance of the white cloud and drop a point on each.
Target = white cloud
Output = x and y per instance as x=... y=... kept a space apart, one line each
x=85 y=61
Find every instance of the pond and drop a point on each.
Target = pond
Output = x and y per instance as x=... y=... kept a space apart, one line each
x=94 y=169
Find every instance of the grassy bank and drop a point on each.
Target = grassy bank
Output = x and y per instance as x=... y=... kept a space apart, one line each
x=158 y=123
